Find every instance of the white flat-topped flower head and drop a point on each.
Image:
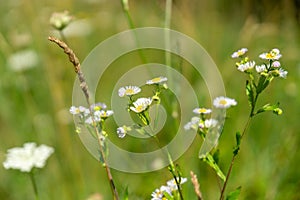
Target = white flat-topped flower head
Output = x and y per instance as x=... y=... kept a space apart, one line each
x=224 y=102
x=60 y=20
x=239 y=53
x=141 y=104
x=274 y=54
x=129 y=90
x=157 y=80
x=27 y=157
x=202 y=111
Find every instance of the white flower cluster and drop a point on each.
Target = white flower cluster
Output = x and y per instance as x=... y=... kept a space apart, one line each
x=203 y=123
x=94 y=114
x=170 y=188
x=27 y=157
x=142 y=104
x=273 y=67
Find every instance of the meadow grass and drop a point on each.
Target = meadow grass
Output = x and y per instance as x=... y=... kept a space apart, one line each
x=34 y=102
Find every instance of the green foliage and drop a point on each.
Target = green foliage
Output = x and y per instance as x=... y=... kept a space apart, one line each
x=234 y=194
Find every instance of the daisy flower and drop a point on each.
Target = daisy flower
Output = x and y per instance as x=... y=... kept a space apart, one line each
x=201 y=111
x=224 y=102
x=129 y=90
x=260 y=68
x=245 y=66
x=157 y=80
x=122 y=131
x=276 y=64
x=141 y=104
x=282 y=73
x=209 y=123
x=239 y=53
x=172 y=183
x=193 y=124
x=27 y=157
x=158 y=194
x=274 y=54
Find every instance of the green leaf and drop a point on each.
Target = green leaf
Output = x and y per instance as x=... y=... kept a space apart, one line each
x=126 y=193
x=238 y=138
x=250 y=93
x=268 y=107
x=263 y=82
x=234 y=194
x=211 y=162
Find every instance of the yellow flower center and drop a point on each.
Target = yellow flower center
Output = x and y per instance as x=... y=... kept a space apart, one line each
x=129 y=91
x=156 y=80
x=139 y=108
x=223 y=102
x=202 y=110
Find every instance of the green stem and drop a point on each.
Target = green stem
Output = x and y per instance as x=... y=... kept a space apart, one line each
x=31 y=174
x=131 y=25
x=167 y=26
x=233 y=159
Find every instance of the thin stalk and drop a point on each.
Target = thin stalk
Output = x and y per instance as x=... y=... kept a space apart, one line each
x=31 y=174
x=84 y=87
x=63 y=37
x=233 y=159
x=167 y=26
x=131 y=25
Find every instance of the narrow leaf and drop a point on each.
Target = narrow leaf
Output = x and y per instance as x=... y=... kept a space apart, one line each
x=250 y=93
x=211 y=162
x=234 y=194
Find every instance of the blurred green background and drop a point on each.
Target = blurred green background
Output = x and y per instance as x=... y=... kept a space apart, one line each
x=36 y=93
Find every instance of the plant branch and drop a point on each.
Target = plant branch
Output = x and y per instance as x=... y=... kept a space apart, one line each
x=75 y=61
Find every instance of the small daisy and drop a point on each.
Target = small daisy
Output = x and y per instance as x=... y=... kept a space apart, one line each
x=141 y=104
x=202 y=111
x=224 y=102
x=129 y=90
x=239 y=53
x=260 y=68
x=172 y=183
x=74 y=110
x=157 y=80
x=210 y=123
x=274 y=54
x=122 y=131
x=106 y=113
x=276 y=64
x=158 y=194
x=193 y=124
x=245 y=66
x=98 y=106
x=282 y=73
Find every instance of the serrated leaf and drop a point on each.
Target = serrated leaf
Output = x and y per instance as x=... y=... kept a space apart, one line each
x=234 y=194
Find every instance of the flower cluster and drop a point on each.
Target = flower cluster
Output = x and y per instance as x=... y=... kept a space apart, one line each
x=27 y=157
x=167 y=191
x=272 y=68
x=140 y=106
x=60 y=20
x=95 y=114
x=201 y=123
